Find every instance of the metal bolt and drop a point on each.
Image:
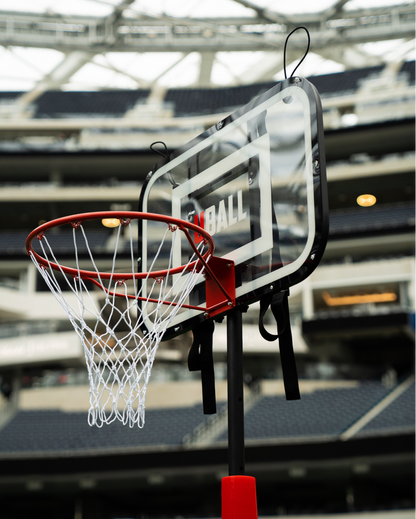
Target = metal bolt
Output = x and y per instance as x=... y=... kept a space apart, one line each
x=312 y=257
x=219 y=125
x=177 y=328
x=296 y=79
x=229 y=303
x=316 y=164
x=271 y=287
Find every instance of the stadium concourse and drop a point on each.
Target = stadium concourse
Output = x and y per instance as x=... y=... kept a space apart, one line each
x=347 y=447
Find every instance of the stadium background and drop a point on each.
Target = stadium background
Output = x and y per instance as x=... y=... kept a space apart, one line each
x=348 y=446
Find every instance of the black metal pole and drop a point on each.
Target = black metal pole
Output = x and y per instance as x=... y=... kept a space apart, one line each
x=235 y=393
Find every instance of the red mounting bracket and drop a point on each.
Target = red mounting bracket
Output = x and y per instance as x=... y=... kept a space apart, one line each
x=220 y=286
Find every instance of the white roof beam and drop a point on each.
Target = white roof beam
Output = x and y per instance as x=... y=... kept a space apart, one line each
x=263 y=70
x=158 y=34
x=171 y=67
x=335 y=8
x=205 y=68
x=109 y=66
x=71 y=63
x=55 y=79
x=350 y=56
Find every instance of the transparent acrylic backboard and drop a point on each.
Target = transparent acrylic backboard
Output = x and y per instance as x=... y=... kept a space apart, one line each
x=256 y=181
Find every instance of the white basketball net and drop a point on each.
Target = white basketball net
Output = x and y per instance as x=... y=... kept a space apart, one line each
x=119 y=362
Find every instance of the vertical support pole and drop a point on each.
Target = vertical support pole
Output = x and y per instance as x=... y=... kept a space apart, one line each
x=238 y=491
x=236 y=459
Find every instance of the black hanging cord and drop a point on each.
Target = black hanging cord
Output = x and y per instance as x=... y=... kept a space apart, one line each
x=304 y=56
x=165 y=153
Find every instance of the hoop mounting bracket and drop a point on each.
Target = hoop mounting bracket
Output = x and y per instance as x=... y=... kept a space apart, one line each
x=224 y=270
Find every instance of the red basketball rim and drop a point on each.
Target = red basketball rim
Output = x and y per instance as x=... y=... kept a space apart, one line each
x=124 y=216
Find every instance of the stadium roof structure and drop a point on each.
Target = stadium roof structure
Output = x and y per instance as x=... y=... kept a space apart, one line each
x=101 y=44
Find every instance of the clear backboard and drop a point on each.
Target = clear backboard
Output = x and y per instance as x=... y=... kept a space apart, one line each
x=256 y=181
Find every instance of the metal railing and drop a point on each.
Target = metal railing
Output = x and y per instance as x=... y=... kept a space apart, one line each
x=207 y=431
x=8 y=407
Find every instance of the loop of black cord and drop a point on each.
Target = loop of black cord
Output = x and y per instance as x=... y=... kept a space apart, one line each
x=304 y=56
x=165 y=154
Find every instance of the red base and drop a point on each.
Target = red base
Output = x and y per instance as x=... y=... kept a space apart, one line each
x=239 y=499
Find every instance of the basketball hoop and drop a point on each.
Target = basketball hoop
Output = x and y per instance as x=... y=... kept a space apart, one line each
x=119 y=347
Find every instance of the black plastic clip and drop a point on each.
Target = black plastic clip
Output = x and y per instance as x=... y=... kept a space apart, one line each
x=200 y=359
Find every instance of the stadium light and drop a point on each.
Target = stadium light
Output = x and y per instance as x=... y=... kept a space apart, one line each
x=357 y=299
x=110 y=222
x=366 y=200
